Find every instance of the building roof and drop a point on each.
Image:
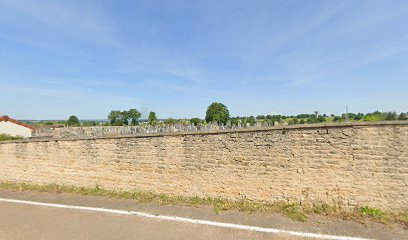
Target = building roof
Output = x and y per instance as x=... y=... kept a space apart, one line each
x=8 y=119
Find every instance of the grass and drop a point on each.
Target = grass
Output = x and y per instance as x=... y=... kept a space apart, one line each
x=375 y=213
x=372 y=212
x=6 y=137
x=403 y=218
x=290 y=209
x=294 y=212
x=323 y=209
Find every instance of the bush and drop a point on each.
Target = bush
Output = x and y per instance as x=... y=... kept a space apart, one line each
x=6 y=137
x=320 y=119
x=195 y=121
x=251 y=120
x=170 y=121
x=375 y=116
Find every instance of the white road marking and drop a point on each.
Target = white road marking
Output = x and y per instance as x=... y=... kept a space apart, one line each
x=185 y=220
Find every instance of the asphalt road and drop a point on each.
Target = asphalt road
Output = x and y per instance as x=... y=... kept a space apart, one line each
x=25 y=221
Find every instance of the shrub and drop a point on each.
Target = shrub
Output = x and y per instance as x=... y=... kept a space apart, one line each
x=6 y=137
x=195 y=121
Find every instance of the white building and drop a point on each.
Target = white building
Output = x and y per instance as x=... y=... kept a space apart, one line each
x=13 y=127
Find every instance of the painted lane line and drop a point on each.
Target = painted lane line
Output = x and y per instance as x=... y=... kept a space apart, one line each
x=185 y=220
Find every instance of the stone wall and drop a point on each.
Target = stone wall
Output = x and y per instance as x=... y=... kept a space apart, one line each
x=345 y=164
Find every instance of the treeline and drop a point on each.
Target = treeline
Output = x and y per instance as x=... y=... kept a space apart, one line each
x=318 y=118
x=219 y=113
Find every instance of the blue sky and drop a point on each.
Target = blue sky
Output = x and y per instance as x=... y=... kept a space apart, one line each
x=59 y=58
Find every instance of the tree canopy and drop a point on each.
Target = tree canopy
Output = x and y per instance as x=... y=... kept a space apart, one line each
x=170 y=121
x=73 y=121
x=195 y=121
x=217 y=112
x=119 y=118
x=152 y=118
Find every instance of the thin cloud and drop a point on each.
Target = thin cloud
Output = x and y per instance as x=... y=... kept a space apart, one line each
x=84 y=23
x=85 y=82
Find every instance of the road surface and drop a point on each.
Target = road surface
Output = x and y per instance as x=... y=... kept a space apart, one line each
x=32 y=215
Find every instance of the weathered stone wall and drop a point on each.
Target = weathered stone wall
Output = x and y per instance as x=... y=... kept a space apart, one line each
x=349 y=164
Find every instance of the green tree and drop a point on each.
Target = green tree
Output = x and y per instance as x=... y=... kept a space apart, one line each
x=119 y=118
x=391 y=116
x=320 y=119
x=170 y=121
x=115 y=118
x=403 y=116
x=195 y=121
x=132 y=116
x=276 y=118
x=251 y=120
x=152 y=118
x=375 y=116
x=217 y=112
x=359 y=116
x=234 y=121
x=73 y=121
x=244 y=121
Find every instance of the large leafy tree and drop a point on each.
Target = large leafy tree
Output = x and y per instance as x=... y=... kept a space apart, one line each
x=132 y=116
x=119 y=118
x=115 y=118
x=217 y=112
x=73 y=121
